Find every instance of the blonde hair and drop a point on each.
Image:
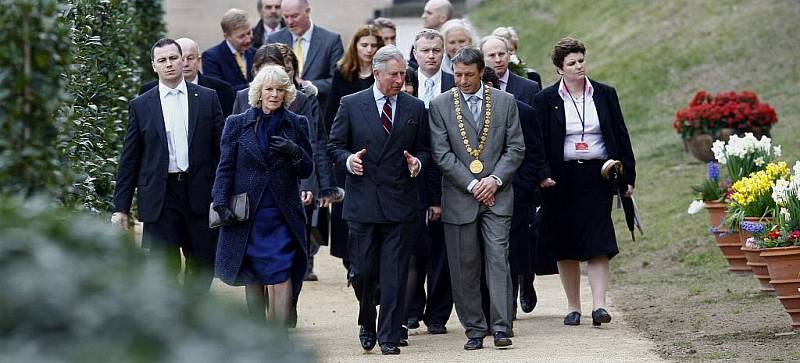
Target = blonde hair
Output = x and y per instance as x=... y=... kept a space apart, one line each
x=510 y=34
x=459 y=24
x=234 y=19
x=271 y=75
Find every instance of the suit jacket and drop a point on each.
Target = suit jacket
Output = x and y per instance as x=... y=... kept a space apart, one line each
x=550 y=116
x=501 y=156
x=244 y=168
x=220 y=63
x=430 y=192
x=258 y=33
x=224 y=91
x=144 y=162
x=523 y=89
x=303 y=105
x=526 y=180
x=386 y=192
x=324 y=51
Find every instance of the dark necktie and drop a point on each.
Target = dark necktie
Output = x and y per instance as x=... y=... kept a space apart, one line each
x=386 y=116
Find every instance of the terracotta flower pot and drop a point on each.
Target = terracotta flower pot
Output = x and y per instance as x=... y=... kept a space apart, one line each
x=699 y=146
x=783 y=264
x=759 y=268
x=716 y=212
x=729 y=244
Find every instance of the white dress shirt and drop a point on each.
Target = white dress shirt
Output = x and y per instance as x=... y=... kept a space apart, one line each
x=592 y=134
x=175 y=108
x=268 y=31
x=437 y=85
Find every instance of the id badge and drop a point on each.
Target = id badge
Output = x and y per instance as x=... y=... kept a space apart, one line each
x=582 y=147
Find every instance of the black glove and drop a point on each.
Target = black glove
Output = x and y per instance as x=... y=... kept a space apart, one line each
x=283 y=145
x=226 y=217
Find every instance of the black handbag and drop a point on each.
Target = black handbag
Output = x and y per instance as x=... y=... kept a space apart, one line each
x=239 y=206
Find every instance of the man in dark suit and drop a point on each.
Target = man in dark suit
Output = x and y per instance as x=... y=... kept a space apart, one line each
x=170 y=155
x=380 y=134
x=496 y=55
x=429 y=257
x=271 y=21
x=191 y=73
x=232 y=60
x=317 y=49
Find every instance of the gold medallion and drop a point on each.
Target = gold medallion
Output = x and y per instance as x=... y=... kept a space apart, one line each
x=476 y=166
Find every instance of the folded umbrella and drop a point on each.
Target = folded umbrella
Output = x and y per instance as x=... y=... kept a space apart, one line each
x=613 y=171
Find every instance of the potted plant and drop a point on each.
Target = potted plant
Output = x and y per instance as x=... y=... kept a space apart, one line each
x=781 y=245
x=751 y=197
x=712 y=194
x=752 y=252
x=716 y=117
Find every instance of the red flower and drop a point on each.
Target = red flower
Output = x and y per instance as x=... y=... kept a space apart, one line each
x=795 y=234
x=707 y=114
x=774 y=234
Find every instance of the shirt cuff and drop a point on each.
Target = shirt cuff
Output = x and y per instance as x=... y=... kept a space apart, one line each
x=347 y=163
x=419 y=163
x=471 y=185
x=497 y=180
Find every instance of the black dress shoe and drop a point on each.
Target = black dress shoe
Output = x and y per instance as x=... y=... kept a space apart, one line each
x=501 y=340
x=573 y=318
x=403 y=343
x=474 y=344
x=600 y=316
x=368 y=338
x=413 y=323
x=437 y=329
x=389 y=349
x=528 y=299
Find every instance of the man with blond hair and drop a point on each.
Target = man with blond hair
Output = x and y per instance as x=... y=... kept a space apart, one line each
x=232 y=59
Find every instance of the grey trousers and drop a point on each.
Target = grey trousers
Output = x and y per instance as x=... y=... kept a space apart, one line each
x=465 y=258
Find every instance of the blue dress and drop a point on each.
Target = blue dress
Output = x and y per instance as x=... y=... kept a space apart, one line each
x=271 y=251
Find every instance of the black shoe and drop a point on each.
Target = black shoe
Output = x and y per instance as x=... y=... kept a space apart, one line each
x=311 y=277
x=413 y=323
x=501 y=340
x=474 y=344
x=368 y=338
x=600 y=316
x=527 y=299
x=437 y=329
x=573 y=318
x=389 y=349
x=403 y=343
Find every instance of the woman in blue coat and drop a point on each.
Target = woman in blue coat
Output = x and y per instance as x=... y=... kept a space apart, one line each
x=265 y=151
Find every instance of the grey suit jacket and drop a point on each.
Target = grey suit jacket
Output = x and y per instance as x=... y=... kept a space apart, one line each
x=501 y=156
x=324 y=51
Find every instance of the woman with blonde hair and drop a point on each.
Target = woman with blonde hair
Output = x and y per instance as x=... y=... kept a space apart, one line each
x=265 y=151
x=457 y=33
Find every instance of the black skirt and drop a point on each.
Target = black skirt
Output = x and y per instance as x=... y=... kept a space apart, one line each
x=576 y=214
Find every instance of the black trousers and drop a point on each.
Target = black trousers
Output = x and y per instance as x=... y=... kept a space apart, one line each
x=178 y=229
x=379 y=256
x=429 y=262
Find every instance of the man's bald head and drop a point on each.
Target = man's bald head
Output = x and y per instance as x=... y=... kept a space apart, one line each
x=297 y=15
x=436 y=12
x=191 y=58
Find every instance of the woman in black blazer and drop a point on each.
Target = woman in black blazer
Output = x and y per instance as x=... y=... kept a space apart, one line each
x=582 y=128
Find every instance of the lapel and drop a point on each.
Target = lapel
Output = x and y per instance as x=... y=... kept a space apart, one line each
x=314 y=48
x=249 y=54
x=512 y=83
x=157 y=115
x=193 y=99
x=248 y=139
x=598 y=98
x=372 y=121
x=400 y=120
x=557 y=105
x=448 y=82
x=230 y=60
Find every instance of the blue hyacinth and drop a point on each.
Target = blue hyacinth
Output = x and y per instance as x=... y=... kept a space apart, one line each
x=713 y=171
x=754 y=228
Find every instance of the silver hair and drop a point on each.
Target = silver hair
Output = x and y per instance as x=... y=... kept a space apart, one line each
x=384 y=55
x=271 y=74
x=495 y=37
x=456 y=24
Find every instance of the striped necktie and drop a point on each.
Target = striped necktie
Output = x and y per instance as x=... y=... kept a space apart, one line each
x=386 y=116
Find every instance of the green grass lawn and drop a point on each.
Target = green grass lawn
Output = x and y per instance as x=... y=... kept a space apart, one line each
x=673 y=283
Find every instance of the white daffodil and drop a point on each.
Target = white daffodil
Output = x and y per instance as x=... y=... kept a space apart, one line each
x=696 y=206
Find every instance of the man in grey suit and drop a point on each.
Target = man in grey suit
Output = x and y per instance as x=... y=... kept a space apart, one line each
x=317 y=49
x=477 y=141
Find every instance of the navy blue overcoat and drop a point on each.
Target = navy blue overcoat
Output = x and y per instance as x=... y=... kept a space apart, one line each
x=243 y=168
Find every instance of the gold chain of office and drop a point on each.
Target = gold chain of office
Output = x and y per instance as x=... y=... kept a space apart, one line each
x=476 y=166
